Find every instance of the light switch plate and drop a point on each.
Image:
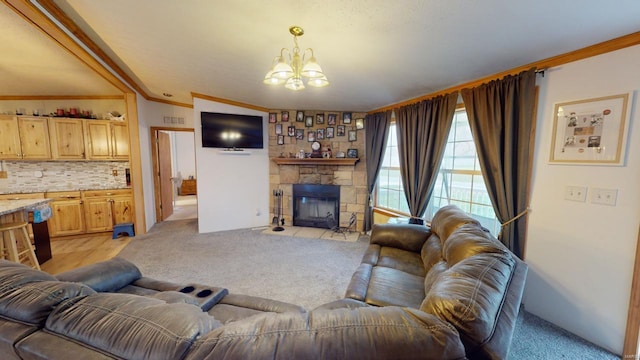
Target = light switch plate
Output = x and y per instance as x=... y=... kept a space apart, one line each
x=575 y=193
x=604 y=196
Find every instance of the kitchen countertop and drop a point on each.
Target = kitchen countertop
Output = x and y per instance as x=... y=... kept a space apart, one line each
x=11 y=206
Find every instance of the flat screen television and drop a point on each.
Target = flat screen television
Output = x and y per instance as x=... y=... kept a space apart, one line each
x=231 y=131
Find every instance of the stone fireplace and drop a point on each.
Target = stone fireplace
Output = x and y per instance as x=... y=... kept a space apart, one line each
x=313 y=204
x=349 y=177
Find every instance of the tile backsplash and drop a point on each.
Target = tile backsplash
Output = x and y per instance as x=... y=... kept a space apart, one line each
x=43 y=176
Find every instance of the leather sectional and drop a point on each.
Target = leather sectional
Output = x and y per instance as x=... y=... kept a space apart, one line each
x=449 y=291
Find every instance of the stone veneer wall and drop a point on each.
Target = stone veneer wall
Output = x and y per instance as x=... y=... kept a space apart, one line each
x=44 y=176
x=352 y=179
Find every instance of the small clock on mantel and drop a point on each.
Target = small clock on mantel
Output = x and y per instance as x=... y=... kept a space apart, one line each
x=315 y=150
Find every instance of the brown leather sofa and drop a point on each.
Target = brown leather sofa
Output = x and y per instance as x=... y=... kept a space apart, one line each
x=454 y=270
x=450 y=293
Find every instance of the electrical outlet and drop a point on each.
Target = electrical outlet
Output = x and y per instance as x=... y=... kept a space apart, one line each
x=604 y=196
x=575 y=193
x=3 y=174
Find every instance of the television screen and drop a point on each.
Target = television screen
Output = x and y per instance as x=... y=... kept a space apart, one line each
x=231 y=131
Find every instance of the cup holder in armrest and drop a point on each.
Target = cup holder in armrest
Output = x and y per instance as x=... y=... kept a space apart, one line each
x=206 y=296
x=187 y=289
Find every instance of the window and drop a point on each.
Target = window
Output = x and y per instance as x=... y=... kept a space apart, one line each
x=459 y=180
x=389 y=191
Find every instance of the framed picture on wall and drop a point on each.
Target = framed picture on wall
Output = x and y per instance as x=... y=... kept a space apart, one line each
x=300 y=116
x=359 y=124
x=273 y=117
x=285 y=116
x=280 y=139
x=346 y=118
x=299 y=134
x=340 y=130
x=311 y=136
x=291 y=131
x=308 y=121
x=353 y=135
x=319 y=119
x=331 y=119
x=278 y=129
x=320 y=134
x=330 y=132
x=591 y=131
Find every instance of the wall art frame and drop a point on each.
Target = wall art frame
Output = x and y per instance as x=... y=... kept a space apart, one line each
x=591 y=131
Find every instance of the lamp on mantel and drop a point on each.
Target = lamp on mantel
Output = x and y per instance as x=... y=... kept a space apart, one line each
x=289 y=70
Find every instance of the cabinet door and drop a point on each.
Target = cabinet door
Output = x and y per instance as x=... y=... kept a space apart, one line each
x=67 y=138
x=34 y=137
x=122 y=209
x=97 y=213
x=9 y=138
x=120 y=139
x=67 y=219
x=98 y=139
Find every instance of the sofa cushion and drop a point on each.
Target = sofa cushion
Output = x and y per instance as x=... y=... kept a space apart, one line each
x=359 y=333
x=400 y=236
x=431 y=252
x=406 y=261
x=29 y=295
x=448 y=219
x=106 y=276
x=471 y=292
x=391 y=287
x=131 y=326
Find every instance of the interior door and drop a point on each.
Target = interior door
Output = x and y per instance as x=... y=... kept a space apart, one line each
x=165 y=174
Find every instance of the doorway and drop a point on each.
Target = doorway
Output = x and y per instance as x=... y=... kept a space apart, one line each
x=173 y=153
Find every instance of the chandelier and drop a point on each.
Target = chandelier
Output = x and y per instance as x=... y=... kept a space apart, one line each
x=289 y=69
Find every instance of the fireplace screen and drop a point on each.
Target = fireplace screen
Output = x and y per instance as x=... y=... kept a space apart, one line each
x=313 y=203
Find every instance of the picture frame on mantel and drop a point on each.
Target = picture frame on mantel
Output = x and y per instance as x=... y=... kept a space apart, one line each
x=591 y=131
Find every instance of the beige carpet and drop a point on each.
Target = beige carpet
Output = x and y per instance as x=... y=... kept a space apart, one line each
x=306 y=271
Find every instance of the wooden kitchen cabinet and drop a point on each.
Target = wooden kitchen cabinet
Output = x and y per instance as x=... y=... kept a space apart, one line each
x=103 y=208
x=68 y=215
x=67 y=138
x=24 y=137
x=120 y=140
x=107 y=140
x=9 y=137
x=34 y=137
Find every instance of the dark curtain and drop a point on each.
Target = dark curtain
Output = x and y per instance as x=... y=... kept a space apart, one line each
x=501 y=115
x=376 y=127
x=422 y=130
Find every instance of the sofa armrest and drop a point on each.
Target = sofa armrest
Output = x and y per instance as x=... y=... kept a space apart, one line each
x=106 y=276
x=408 y=237
x=359 y=283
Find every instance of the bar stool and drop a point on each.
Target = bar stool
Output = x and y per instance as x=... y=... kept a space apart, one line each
x=18 y=250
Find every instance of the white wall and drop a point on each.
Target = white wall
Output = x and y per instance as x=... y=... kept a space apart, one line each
x=581 y=254
x=151 y=113
x=184 y=155
x=233 y=190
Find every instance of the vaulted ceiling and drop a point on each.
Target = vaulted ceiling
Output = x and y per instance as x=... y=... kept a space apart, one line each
x=375 y=53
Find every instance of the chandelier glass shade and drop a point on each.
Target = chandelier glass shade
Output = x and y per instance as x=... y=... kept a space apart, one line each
x=290 y=67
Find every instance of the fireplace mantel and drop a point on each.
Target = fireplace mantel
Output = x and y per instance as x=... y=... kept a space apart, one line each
x=316 y=161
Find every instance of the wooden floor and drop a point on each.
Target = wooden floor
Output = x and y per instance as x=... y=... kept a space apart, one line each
x=72 y=252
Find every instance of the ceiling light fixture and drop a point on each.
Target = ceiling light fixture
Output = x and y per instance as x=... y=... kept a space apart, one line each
x=289 y=69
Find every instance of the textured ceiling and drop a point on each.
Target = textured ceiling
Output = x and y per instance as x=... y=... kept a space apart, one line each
x=375 y=53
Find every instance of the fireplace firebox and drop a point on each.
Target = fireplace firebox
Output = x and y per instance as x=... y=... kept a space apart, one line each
x=312 y=204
